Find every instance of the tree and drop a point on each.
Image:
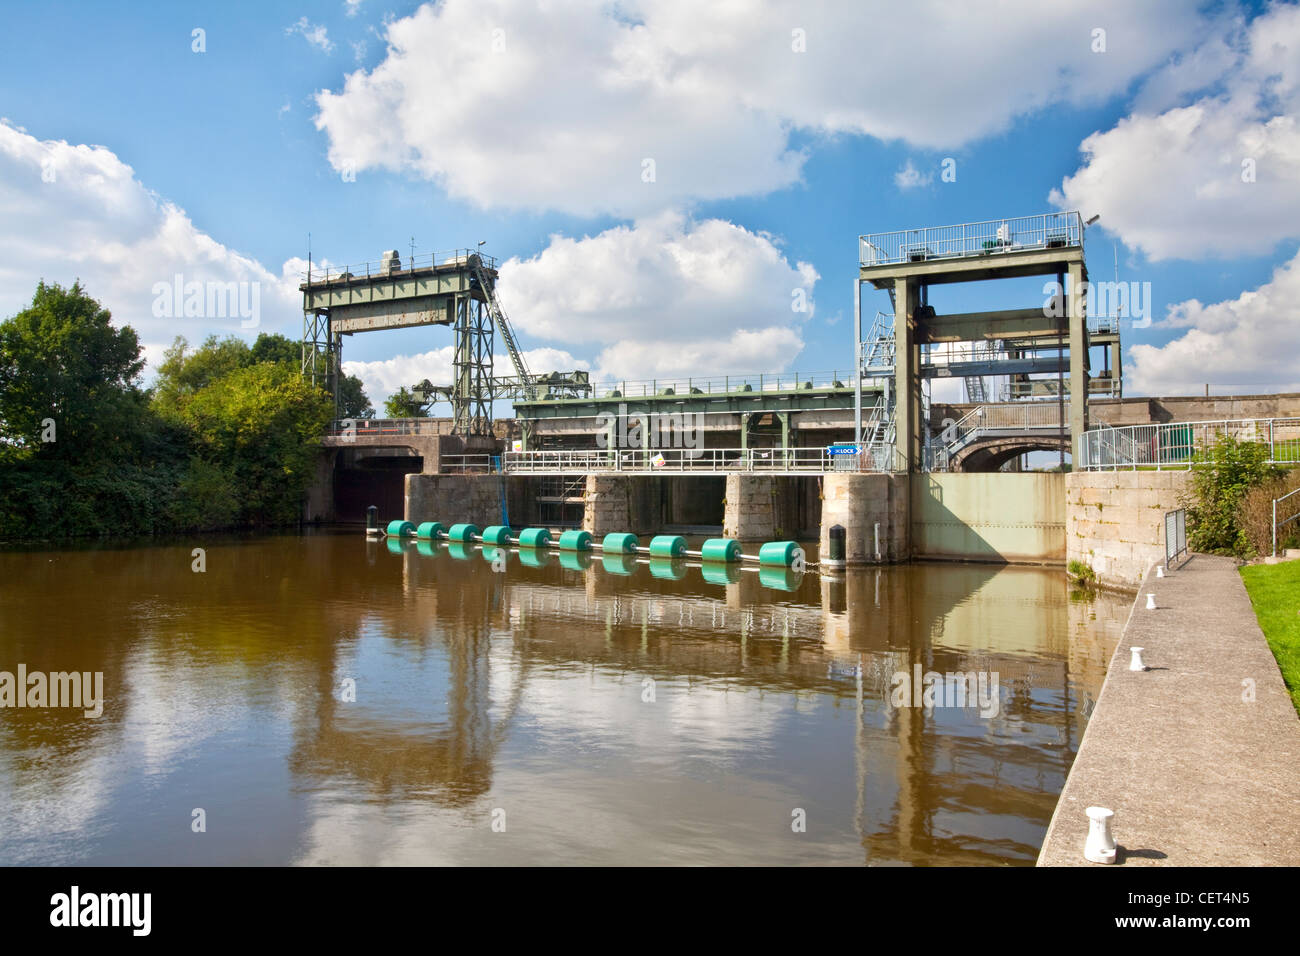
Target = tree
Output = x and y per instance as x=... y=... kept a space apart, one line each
x=401 y=404
x=274 y=347
x=261 y=427
x=68 y=380
x=185 y=372
x=353 y=402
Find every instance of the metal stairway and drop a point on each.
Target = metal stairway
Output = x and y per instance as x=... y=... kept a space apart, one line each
x=503 y=326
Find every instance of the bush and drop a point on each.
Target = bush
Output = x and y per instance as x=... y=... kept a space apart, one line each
x=1223 y=476
x=1257 y=514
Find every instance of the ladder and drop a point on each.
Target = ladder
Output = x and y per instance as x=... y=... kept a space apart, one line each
x=503 y=326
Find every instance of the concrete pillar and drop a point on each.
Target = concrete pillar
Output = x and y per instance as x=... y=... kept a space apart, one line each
x=1116 y=367
x=1078 y=359
x=906 y=377
x=606 y=505
x=862 y=504
x=748 y=512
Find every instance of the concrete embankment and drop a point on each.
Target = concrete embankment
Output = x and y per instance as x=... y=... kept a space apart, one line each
x=1198 y=756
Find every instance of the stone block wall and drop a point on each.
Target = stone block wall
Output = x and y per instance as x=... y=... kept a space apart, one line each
x=859 y=502
x=1114 y=521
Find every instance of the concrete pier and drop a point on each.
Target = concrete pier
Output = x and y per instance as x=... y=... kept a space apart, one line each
x=1199 y=756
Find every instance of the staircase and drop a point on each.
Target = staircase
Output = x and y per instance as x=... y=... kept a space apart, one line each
x=502 y=325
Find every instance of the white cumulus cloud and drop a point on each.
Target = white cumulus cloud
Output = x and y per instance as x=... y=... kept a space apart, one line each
x=1252 y=340
x=1219 y=176
x=634 y=107
x=71 y=212
x=665 y=296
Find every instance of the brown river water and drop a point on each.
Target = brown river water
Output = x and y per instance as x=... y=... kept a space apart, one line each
x=324 y=699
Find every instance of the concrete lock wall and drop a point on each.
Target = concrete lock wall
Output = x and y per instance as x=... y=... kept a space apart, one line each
x=860 y=502
x=1115 y=521
x=451 y=499
x=989 y=517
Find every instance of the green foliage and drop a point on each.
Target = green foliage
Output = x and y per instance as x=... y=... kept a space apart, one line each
x=1082 y=573
x=227 y=437
x=261 y=423
x=353 y=402
x=1227 y=471
x=62 y=362
x=402 y=405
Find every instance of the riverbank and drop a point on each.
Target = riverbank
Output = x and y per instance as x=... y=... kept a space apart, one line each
x=1197 y=755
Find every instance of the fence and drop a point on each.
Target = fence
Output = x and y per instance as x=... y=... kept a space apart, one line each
x=1184 y=444
x=1284 y=521
x=1175 y=535
x=870 y=458
x=1045 y=231
x=468 y=464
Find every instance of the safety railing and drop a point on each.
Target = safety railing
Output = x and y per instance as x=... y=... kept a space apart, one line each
x=396 y=265
x=1184 y=444
x=1285 y=521
x=353 y=428
x=874 y=458
x=1175 y=535
x=468 y=464
x=1044 y=231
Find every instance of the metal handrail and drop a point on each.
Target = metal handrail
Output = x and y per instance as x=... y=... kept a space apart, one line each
x=1183 y=444
x=875 y=457
x=1276 y=523
x=375 y=268
x=1043 y=231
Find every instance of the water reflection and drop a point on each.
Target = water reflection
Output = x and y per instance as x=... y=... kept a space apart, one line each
x=331 y=700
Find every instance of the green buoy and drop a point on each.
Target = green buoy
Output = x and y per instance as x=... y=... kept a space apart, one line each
x=667 y=546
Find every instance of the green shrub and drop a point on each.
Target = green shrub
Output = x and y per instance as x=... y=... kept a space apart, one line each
x=1223 y=476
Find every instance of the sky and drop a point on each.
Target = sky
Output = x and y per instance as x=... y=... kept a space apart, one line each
x=671 y=188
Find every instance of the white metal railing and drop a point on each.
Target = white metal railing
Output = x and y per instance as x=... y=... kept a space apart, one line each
x=376 y=268
x=875 y=457
x=468 y=464
x=1184 y=444
x=346 y=428
x=1044 y=231
x=1277 y=524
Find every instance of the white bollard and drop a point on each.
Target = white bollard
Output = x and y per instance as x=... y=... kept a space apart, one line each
x=1135 y=662
x=1100 y=847
x=1151 y=601
x=1160 y=570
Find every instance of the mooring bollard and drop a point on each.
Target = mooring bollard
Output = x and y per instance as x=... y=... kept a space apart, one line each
x=1100 y=847
x=836 y=549
x=1135 y=662
x=1160 y=570
x=1151 y=601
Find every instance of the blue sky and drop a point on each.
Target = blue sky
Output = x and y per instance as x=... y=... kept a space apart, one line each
x=770 y=162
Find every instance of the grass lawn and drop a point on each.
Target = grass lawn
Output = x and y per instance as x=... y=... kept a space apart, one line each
x=1275 y=593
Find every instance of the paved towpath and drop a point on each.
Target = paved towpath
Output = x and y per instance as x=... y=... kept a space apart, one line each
x=1197 y=773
